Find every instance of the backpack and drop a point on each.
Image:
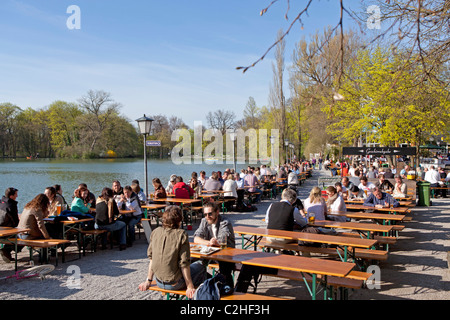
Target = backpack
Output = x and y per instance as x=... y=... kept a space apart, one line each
x=5 y=219
x=212 y=289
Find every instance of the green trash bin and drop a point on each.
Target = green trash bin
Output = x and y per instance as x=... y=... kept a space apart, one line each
x=424 y=193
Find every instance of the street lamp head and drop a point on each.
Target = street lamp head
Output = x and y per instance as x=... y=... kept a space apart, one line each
x=233 y=135
x=286 y=142
x=272 y=140
x=144 y=124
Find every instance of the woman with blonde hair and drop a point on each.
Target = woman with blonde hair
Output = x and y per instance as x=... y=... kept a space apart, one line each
x=316 y=204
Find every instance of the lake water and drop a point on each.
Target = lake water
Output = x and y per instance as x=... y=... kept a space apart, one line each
x=31 y=177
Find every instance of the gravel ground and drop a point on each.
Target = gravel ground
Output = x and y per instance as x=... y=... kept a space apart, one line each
x=417 y=268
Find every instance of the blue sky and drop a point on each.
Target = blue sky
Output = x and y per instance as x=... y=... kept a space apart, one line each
x=155 y=57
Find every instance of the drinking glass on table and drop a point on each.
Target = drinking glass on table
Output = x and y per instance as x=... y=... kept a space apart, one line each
x=223 y=241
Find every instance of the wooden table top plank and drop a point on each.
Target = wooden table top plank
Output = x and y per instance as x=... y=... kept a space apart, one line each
x=8 y=231
x=371 y=215
x=153 y=206
x=181 y=200
x=281 y=262
x=362 y=207
x=361 y=201
x=307 y=237
x=372 y=227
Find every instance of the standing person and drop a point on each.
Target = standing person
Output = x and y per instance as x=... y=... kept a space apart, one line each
x=169 y=255
x=130 y=201
x=106 y=211
x=9 y=217
x=32 y=218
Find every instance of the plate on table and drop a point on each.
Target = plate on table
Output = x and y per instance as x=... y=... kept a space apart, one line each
x=203 y=249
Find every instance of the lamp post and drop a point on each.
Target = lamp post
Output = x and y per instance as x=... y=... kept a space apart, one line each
x=145 y=125
x=233 y=135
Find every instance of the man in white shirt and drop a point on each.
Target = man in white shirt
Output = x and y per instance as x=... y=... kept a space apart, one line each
x=433 y=177
x=366 y=186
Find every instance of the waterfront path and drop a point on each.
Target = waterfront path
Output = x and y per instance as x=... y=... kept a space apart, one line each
x=417 y=267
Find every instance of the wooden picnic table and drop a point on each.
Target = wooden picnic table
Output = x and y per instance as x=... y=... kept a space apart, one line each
x=306 y=265
x=369 y=228
x=361 y=201
x=402 y=210
x=5 y=237
x=256 y=234
x=372 y=216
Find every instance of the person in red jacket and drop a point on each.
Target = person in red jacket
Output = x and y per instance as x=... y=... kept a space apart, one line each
x=181 y=189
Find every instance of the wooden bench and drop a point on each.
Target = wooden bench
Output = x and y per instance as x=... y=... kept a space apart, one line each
x=181 y=294
x=93 y=235
x=383 y=240
x=40 y=245
x=354 y=280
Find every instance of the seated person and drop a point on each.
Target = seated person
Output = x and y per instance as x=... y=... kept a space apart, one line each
x=213 y=227
x=356 y=193
x=182 y=190
x=78 y=204
x=230 y=186
x=213 y=183
x=285 y=215
x=55 y=201
x=138 y=190
x=252 y=182
x=169 y=254
x=117 y=190
x=335 y=204
x=346 y=184
x=384 y=184
x=130 y=201
x=106 y=211
x=9 y=217
x=160 y=192
x=400 y=188
x=379 y=199
x=32 y=218
x=88 y=197
x=366 y=186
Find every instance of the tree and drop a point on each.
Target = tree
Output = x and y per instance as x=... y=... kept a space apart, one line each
x=100 y=108
x=221 y=120
x=277 y=99
x=251 y=114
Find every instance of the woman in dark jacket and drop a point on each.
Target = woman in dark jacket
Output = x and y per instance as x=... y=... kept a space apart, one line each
x=106 y=210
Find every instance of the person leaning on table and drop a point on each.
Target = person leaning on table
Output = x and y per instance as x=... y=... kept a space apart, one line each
x=379 y=199
x=32 y=218
x=169 y=254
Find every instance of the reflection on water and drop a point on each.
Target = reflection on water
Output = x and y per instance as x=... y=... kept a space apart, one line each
x=32 y=177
